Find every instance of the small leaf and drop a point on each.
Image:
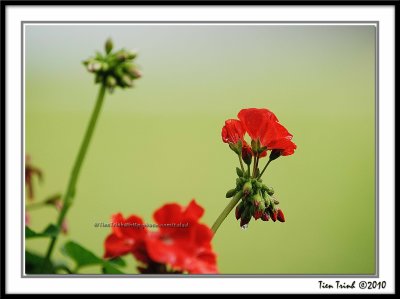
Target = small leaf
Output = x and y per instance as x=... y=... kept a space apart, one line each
x=50 y=231
x=80 y=255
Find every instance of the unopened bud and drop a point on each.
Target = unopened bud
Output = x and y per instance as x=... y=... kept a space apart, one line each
x=109 y=45
x=111 y=81
x=257 y=214
x=239 y=172
x=131 y=55
x=264 y=216
x=231 y=193
x=247 y=154
x=280 y=216
x=245 y=217
x=274 y=215
x=239 y=210
x=247 y=188
x=274 y=154
x=127 y=80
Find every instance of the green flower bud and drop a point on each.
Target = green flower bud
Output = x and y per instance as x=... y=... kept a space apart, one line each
x=111 y=82
x=104 y=67
x=269 y=190
x=247 y=188
x=239 y=172
x=109 y=45
x=231 y=193
x=126 y=80
x=131 y=55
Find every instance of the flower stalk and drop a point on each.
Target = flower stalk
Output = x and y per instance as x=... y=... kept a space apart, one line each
x=70 y=192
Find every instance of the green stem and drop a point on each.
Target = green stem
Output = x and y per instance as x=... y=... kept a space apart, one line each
x=255 y=165
x=265 y=167
x=69 y=194
x=241 y=163
x=233 y=202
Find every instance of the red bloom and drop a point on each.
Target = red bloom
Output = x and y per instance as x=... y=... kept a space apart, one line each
x=263 y=125
x=128 y=239
x=256 y=120
x=181 y=241
x=233 y=131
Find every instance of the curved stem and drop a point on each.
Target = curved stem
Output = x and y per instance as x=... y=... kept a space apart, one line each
x=265 y=167
x=73 y=179
x=233 y=202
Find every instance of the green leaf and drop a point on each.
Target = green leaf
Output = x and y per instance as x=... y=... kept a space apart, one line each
x=34 y=264
x=80 y=255
x=50 y=231
x=118 y=261
x=108 y=268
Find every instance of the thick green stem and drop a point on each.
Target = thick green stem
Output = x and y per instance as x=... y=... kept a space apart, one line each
x=265 y=167
x=234 y=201
x=69 y=194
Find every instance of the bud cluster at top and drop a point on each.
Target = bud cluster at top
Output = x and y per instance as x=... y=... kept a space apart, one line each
x=113 y=69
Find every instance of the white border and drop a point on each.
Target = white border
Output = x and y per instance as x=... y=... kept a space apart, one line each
x=16 y=14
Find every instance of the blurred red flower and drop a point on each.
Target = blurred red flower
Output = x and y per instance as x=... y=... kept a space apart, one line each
x=181 y=242
x=30 y=172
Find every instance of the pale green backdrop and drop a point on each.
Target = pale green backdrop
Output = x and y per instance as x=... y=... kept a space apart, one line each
x=160 y=142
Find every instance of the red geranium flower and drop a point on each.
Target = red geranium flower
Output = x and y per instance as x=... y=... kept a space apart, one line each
x=233 y=131
x=128 y=236
x=261 y=125
x=181 y=242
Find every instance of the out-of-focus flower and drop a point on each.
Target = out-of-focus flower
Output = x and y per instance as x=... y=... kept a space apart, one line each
x=30 y=172
x=180 y=245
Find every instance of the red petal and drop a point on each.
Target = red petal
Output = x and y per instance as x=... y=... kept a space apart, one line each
x=115 y=246
x=254 y=120
x=233 y=131
x=193 y=211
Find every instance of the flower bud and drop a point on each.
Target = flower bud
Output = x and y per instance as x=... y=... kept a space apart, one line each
x=257 y=200
x=280 y=215
x=239 y=172
x=274 y=215
x=231 y=193
x=111 y=82
x=127 y=80
x=275 y=154
x=247 y=188
x=245 y=217
x=239 y=210
x=131 y=55
x=247 y=154
x=109 y=45
x=264 y=216
x=257 y=214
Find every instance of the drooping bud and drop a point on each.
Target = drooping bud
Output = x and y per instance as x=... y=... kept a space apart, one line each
x=233 y=147
x=111 y=82
x=274 y=215
x=257 y=200
x=257 y=214
x=239 y=172
x=245 y=217
x=231 y=193
x=264 y=216
x=280 y=216
x=239 y=210
x=108 y=46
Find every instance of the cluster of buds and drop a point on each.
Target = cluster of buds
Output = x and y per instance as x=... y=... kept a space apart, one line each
x=256 y=200
x=114 y=68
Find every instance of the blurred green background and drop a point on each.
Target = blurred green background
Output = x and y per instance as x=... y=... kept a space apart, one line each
x=160 y=141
